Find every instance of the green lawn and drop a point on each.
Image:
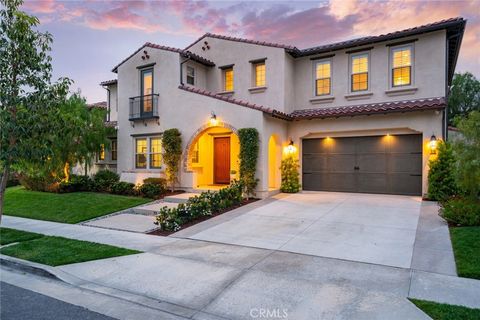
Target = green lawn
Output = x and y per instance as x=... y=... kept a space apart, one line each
x=56 y=251
x=11 y=235
x=440 y=311
x=67 y=207
x=466 y=247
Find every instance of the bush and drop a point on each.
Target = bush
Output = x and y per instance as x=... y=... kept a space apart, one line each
x=152 y=190
x=172 y=152
x=38 y=183
x=76 y=184
x=290 y=175
x=159 y=181
x=123 y=188
x=103 y=180
x=441 y=176
x=249 y=147
x=461 y=211
x=205 y=204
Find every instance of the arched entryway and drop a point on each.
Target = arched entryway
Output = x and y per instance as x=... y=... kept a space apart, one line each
x=212 y=157
x=274 y=159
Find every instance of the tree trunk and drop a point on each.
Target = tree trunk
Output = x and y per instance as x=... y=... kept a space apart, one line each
x=3 y=186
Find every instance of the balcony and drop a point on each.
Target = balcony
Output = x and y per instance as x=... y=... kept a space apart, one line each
x=144 y=107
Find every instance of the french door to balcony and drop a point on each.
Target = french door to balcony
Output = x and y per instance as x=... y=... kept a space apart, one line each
x=146 y=103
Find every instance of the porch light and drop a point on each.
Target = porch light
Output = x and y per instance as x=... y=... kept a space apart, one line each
x=433 y=144
x=290 y=149
x=213 y=119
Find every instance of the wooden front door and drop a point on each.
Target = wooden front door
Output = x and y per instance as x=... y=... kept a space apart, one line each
x=221 y=160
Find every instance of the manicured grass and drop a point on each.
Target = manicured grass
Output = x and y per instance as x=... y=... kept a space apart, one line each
x=466 y=247
x=11 y=235
x=68 y=207
x=440 y=311
x=56 y=251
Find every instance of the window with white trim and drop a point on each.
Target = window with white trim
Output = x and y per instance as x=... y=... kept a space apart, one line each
x=323 y=78
x=155 y=152
x=401 y=66
x=359 y=72
x=148 y=153
x=190 y=75
x=141 y=153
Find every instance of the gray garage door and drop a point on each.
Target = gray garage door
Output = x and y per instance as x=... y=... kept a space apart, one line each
x=376 y=164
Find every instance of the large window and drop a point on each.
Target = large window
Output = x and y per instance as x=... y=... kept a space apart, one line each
x=190 y=75
x=155 y=153
x=402 y=66
x=147 y=91
x=323 y=74
x=148 y=153
x=114 y=150
x=228 y=79
x=259 y=69
x=141 y=153
x=359 y=77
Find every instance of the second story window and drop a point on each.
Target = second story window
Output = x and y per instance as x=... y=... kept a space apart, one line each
x=146 y=91
x=114 y=150
x=359 y=76
x=259 y=74
x=190 y=75
x=401 y=66
x=323 y=83
x=228 y=79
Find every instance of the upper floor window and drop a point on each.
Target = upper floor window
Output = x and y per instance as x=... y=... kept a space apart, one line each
x=190 y=75
x=114 y=150
x=146 y=88
x=323 y=76
x=401 y=66
x=259 y=74
x=228 y=79
x=359 y=76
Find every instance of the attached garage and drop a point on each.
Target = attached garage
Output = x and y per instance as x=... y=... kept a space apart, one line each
x=390 y=164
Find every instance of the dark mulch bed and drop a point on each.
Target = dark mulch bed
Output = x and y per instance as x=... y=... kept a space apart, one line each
x=165 y=233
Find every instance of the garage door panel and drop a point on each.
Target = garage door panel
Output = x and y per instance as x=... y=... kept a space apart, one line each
x=372 y=162
x=315 y=162
x=407 y=163
x=372 y=182
x=367 y=145
x=342 y=182
x=407 y=184
x=405 y=143
x=315 y=181
x=339 y=145
x=341 y=163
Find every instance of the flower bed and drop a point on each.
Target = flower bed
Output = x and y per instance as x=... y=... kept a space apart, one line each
x=204 y=205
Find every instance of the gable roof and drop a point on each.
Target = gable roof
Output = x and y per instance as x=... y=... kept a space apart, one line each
x=108 y=82
x=369 y=109
x=183 y=53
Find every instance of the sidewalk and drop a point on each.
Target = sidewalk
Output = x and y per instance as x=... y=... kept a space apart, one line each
x=206 y=280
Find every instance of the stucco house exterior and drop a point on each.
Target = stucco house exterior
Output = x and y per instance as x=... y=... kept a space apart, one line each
x=360 y=114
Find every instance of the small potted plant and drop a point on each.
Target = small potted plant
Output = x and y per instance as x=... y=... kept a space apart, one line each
x=233 y=175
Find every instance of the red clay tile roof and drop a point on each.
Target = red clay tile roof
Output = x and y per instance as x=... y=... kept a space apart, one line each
x=270 y=111
x=369 y=109
x=108 y=82
x=102 y=104
x=261 y=43
x=184 y=53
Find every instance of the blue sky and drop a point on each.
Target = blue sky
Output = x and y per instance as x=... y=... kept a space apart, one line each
x=90 y=37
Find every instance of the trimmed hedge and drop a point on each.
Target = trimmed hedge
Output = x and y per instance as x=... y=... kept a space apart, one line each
x=441 y=176
x=124 y=188
x=249 y=147
x=205 y=204
x=461 y=211
x=290 y=175
x=103 y=180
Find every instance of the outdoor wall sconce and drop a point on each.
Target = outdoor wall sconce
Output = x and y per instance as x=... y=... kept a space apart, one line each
x=433 y=144
x=213 y=119
x=291 y=149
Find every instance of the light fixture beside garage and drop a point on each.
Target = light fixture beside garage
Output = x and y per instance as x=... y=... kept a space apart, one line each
x=433 y=144
x=290 y=149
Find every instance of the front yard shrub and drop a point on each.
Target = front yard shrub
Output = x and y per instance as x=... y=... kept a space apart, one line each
x=461 y=211
x=103 y=180
x=123 y=188
x=77 y=183
x=290 y=175
x=160 y=181
x=37 y=182
x=249 y=147
x=205 y=204
x=441 y=176
x=151 y=190
x=172 y=152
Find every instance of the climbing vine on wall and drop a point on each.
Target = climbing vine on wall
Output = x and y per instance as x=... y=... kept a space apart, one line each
x=172 y=152
x=249 y=147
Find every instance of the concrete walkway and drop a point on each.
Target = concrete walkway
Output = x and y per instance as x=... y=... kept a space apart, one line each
x=205 y=280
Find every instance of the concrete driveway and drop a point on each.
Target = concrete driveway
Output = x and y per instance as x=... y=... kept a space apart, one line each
x=378 y=229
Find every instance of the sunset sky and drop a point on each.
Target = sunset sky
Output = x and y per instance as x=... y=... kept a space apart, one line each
x=90 y=37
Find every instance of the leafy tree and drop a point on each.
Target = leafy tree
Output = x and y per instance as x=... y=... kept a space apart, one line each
x=441 y=176
x=172 y=152
x=249 y=147
x=28 y=99
x=467 y=153
x=290 y=175
x=464 y=96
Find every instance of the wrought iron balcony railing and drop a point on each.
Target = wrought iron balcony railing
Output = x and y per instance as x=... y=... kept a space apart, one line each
x=144 y=107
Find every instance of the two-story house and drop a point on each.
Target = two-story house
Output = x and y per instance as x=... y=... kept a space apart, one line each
x=361 y=115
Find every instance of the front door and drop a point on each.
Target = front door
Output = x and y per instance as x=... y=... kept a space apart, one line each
x=221 y=160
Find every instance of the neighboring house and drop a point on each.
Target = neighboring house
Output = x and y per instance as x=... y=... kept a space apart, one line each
x=360 y=113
